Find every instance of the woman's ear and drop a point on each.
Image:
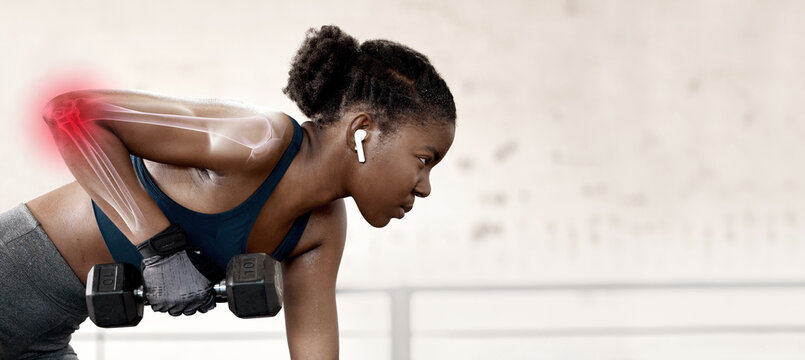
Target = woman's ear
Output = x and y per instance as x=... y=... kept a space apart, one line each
x=359 y=131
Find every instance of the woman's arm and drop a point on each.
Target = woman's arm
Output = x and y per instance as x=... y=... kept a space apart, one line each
x=213 y=134
x=311 y=319
x=96 y=130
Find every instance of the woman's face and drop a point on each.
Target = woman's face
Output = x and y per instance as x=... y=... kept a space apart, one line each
x=397 y=170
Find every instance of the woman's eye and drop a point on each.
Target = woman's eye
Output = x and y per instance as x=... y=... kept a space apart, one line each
x=424 y=160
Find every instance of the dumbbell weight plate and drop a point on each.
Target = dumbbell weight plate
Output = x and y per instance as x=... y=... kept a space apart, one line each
x=254 y=285
x=110 y=295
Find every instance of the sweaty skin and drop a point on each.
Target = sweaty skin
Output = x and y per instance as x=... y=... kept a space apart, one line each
x=72 y=117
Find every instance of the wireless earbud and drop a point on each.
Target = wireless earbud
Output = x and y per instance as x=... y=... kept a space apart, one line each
x=360 y=134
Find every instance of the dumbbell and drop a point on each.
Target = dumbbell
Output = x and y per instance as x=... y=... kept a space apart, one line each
x=253 y=288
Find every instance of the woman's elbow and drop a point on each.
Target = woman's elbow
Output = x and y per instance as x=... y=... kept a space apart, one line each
x=67 y=110
x=55 y=108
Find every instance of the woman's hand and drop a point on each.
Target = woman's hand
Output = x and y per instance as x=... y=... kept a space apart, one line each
x=178 y=279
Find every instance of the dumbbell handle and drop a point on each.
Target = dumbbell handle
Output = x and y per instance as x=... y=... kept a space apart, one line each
x=219 y=288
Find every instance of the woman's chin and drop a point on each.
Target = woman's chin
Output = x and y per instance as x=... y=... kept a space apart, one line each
x=379 y=222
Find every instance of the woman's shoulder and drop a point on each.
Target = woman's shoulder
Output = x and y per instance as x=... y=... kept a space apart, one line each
x=269 y=141
x=326 y=229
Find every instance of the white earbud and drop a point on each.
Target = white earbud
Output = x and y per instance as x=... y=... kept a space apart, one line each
x=360 y=134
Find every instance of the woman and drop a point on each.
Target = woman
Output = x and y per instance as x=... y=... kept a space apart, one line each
x=160 y=177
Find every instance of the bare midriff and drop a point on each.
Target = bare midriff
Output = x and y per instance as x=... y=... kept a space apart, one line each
x=66 y=216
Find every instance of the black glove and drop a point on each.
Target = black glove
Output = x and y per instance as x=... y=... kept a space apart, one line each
x=177 y=278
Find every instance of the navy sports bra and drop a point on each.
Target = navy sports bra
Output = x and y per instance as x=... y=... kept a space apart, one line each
x=220 y=236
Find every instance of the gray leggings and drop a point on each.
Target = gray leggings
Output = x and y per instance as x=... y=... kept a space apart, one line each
x=41 y=300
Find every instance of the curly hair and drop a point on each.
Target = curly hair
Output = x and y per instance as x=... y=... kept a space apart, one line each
x=332 y=72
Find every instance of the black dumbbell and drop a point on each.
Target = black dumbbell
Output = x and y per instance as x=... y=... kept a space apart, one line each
x=253 y=288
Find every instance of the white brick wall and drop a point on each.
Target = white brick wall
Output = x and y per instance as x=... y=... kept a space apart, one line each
x=598 y=142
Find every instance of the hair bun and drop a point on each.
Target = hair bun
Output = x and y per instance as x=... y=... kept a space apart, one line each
x=320 y=68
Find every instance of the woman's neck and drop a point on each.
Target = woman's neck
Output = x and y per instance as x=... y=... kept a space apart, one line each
x=317 y=172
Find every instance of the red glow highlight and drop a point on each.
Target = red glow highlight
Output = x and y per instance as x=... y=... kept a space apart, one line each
x=37 y=134
x=67 y=116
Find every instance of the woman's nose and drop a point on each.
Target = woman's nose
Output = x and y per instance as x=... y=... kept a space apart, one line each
x=422 y=188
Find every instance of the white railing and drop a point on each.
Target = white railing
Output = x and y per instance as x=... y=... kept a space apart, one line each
x=607 y=310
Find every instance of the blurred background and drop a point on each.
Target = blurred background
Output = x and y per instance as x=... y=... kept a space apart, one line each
x=624 y=181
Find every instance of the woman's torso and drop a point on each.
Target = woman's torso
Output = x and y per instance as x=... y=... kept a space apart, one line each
x=67 y=216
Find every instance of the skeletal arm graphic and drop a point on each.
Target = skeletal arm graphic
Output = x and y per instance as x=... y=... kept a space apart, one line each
x=97 y=130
